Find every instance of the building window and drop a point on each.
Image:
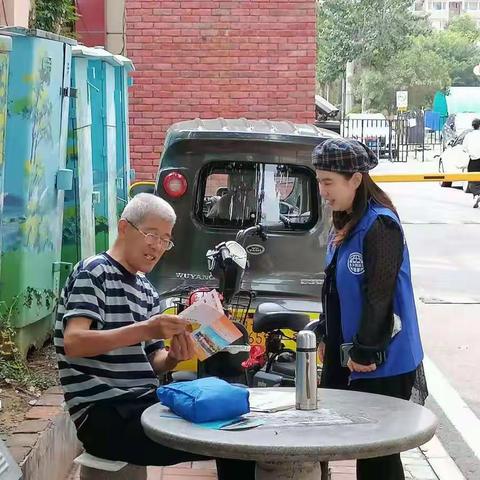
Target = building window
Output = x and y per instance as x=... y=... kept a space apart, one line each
x=471 y=6
x=439 y=6
x=237 y=195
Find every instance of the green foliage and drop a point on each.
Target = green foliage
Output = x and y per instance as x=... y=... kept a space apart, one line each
x=101 y=224
x=18 y=373
x=404 y=72
x=393 y=50
x=56 y=16
x=368 y=32
x=13 y=368
x=466 y=26
x=459 y=51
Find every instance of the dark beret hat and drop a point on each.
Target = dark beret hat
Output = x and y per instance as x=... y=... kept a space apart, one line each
x=343 y=155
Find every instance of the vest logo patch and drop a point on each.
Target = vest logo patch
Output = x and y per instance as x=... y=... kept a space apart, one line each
x=355 y=263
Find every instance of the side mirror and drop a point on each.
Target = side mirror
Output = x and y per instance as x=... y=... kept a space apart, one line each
x=141 y=187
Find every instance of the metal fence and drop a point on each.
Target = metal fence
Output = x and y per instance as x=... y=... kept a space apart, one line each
x=396 y=138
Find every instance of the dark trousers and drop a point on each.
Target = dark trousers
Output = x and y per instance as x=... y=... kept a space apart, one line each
x=474 y=166
x=113 y=431
x=389 y=467
x=400 y=386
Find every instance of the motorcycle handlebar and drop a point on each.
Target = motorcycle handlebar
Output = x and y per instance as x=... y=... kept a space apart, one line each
x=250 y=231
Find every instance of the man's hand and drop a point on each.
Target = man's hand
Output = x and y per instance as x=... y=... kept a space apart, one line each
x=166 y=326
x=181 y=348
x=358 y=367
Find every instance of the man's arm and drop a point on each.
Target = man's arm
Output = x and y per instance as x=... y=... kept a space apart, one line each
x=80 y=341
x=161 y=362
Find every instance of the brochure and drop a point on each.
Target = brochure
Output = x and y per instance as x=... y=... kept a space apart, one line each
x=211 y=330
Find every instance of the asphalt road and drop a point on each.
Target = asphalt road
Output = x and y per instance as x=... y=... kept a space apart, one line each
x=443 y=233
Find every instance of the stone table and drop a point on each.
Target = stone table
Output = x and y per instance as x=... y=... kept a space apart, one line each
x=291 y=443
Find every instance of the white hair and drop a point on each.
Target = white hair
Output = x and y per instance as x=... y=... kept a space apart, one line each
x=145 y=204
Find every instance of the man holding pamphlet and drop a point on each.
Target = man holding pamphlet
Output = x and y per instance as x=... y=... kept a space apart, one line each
x=109 y=341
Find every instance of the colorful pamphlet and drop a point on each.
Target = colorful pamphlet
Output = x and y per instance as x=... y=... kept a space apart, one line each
x=211 y=330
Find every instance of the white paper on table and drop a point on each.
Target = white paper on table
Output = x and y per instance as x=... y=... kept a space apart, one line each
x=267 y=401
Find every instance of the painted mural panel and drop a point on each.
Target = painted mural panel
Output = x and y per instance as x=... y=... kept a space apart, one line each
x=79 y=224
x=121 y=148
x=71 y=215
x=96 y=79
x=111 y=142
x=33 y=155
x=4 y=57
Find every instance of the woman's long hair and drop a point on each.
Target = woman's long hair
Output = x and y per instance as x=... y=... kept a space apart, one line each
x=368 y=191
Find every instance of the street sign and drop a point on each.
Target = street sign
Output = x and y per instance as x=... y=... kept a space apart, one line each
x=402 y=100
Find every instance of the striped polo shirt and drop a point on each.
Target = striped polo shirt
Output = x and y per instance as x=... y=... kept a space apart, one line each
x=103 y=290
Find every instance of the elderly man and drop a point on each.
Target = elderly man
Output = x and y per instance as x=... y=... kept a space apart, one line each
x=107 y=340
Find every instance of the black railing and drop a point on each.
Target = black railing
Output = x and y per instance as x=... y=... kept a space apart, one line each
x=394 y=139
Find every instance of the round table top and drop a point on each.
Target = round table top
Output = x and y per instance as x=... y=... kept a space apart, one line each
x=347 y=425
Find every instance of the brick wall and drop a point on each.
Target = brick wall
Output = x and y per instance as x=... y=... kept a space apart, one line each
x=216 y=58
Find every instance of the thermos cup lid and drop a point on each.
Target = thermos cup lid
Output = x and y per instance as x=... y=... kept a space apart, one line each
x=306 y=340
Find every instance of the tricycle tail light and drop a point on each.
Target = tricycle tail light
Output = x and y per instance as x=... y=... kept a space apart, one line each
x=175 y=185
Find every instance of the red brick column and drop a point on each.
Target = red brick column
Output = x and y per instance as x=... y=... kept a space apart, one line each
x=253 y=59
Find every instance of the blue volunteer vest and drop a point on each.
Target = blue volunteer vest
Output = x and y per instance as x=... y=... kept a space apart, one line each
x=404 y=352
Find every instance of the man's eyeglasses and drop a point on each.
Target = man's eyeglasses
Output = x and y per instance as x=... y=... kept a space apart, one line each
x=153 y=240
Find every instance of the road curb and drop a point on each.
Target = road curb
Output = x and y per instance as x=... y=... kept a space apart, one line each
x=45 y=443
x=440 y=461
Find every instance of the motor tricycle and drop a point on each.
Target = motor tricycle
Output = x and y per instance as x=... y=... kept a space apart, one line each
x=225 y=176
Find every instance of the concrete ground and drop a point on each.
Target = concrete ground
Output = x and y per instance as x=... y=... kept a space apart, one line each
x=415 y=463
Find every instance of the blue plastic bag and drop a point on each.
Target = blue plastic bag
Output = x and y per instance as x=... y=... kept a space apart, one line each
x=205 y=400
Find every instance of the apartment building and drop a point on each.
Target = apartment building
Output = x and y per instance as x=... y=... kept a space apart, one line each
x=441 y=13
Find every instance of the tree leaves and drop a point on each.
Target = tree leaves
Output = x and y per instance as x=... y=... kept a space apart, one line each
x=368 y=32
x=56 y=16
x=393 y=49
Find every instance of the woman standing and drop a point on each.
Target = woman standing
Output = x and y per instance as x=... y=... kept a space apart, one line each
x=369 y=309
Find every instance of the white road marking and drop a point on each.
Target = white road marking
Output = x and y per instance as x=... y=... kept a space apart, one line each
x=457 y=411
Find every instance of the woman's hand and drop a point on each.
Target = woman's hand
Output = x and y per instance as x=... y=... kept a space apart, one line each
x=358 y=367
x=321 y=351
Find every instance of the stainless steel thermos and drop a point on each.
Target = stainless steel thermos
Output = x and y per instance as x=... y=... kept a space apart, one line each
x=306 y=371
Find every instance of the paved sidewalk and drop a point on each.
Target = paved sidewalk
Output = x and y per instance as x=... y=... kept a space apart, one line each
x=415 y=463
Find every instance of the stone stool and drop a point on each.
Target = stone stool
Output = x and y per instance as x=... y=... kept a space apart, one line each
x=95 y=468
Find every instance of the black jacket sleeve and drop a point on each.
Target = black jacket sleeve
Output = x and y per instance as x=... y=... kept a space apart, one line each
x=382 y=258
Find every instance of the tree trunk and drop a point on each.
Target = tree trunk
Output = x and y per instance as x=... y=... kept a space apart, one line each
x=364 y=102
x=349 y=87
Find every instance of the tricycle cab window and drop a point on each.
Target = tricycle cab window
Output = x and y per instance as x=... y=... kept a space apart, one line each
x=236 y=194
